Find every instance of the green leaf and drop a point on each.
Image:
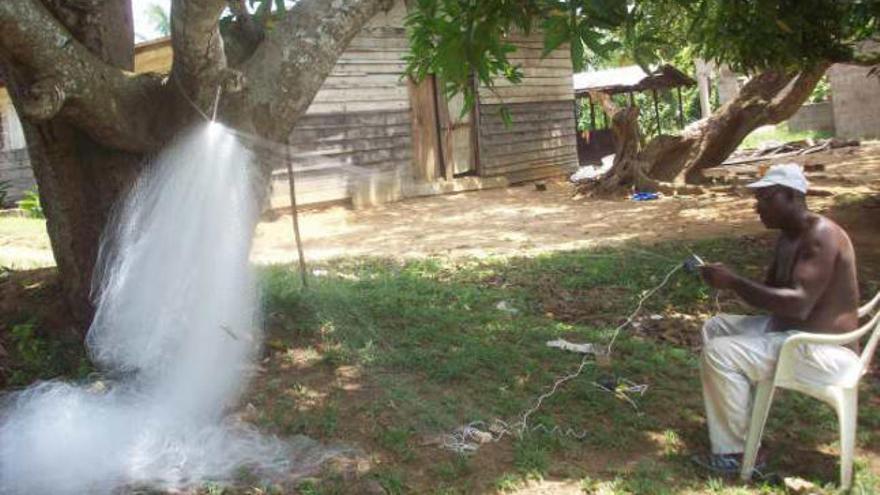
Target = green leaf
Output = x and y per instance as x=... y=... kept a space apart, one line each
x=578 y=61
x=556 y=32
x=504 y=111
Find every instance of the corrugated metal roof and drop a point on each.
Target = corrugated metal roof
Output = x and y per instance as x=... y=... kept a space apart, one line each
x=629 y=78
x=618 y=76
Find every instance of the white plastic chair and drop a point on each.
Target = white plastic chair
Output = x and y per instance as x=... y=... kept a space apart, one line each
x=842 y=396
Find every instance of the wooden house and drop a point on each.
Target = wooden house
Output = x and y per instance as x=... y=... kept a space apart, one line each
x=372 y=136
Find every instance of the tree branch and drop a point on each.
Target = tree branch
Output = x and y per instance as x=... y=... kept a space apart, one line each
x=199 y=63
x=785 y=105
x=287 y=69
x=252 y=33
x=867 y=59
x=65 y=79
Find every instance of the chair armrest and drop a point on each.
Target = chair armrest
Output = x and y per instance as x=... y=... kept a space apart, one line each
x=825 y=338
x=787 y=356
x=870 y=307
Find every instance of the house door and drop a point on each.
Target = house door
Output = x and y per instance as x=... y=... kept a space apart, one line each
x=444 y=140
x=457 y=136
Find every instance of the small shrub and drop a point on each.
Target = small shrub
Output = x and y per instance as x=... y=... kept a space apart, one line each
x=36 y=357
x=822 y=91
x=31 y=204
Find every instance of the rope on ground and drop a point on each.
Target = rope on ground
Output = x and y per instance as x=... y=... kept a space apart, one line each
x=642 y=300
x=468 y=438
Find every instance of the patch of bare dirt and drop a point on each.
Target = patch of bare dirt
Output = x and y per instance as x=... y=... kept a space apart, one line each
x=523 y=220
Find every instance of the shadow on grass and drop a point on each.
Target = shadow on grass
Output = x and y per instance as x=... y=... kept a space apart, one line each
x=38 y=337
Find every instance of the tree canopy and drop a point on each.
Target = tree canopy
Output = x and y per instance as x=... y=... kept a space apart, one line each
x=462 y=40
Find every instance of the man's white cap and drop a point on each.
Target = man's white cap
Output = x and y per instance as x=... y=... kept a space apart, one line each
x=785 y=174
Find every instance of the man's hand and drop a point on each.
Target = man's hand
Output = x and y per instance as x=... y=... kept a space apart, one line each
x=717 y=275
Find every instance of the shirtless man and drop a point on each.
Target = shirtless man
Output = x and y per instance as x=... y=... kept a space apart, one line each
x=811 y=286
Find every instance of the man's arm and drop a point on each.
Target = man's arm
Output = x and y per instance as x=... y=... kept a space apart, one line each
x=770 y=276
x=812 y=273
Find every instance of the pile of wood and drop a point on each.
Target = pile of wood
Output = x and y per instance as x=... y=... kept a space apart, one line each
x=743 y=173
x=748 y=165
x=774 y=151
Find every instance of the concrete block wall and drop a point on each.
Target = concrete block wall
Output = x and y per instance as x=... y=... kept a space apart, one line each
x=15 y=167
x=856 y=102
x=813 y=117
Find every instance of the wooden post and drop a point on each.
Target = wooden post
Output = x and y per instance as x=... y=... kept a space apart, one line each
x=425 y=138
x=592 y=114
x=475 y=126
x=680 y=109
x=446 y=127
x=292 y=183
x=656 y=110
x=442 y=140
x=632 y=99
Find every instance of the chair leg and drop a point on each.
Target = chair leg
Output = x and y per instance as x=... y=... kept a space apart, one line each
x=847 y=414
x=760 y=410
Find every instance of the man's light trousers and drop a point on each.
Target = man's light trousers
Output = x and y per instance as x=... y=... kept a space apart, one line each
x=739 y=351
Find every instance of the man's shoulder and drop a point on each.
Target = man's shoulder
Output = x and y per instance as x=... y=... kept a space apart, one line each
x=825 y=227
x=826 y=231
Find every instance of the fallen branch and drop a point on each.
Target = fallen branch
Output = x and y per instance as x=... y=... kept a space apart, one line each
x=823 y=146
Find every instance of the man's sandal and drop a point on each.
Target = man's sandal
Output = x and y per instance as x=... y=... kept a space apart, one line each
x=727 y=464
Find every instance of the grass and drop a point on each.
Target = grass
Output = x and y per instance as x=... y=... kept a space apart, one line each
x=433 y=351
x=388 y=355
x=779 y=133
x=24 y=243
x=26 y=231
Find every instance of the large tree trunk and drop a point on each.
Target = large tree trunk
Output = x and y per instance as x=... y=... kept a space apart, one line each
x=79 y=179
x=632 y=161
x=79 y=182
x=768 y=98
x=628 y=169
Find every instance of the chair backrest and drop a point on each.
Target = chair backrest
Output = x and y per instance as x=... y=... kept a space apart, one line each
x=872 y=307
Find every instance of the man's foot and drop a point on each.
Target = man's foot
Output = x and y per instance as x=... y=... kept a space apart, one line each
x=727 y=464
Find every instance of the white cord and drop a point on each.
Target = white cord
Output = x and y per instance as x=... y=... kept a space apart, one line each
x=641 y=302
x=468 y=438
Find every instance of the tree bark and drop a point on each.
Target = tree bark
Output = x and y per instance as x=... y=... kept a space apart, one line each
x=79 y=179
x=632 y=160
x=74 y=62
x=627 y=169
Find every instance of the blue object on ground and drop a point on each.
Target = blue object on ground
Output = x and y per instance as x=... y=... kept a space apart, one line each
x=645 y=196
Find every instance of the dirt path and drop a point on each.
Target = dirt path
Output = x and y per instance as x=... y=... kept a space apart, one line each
x=522 y=220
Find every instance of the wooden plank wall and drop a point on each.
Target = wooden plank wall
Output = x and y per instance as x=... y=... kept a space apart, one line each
x=154 y=56
x=542 y=140
x=359 y=125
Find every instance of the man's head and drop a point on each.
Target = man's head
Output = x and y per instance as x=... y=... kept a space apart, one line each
x=780 y=195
